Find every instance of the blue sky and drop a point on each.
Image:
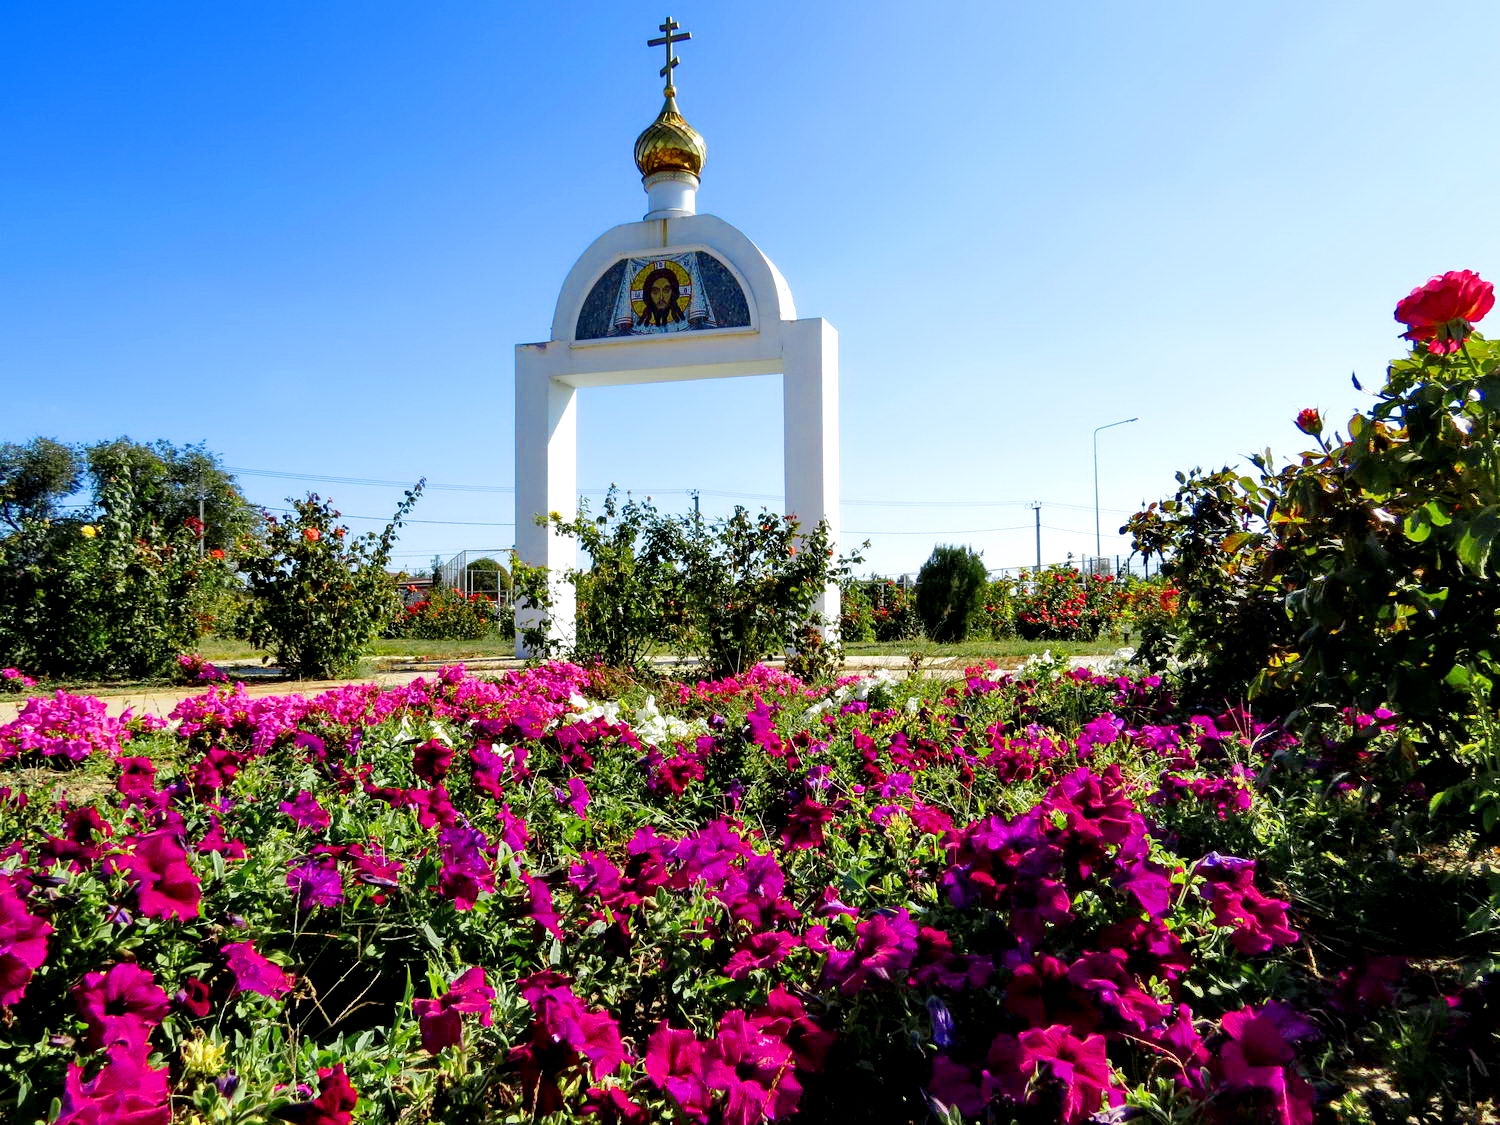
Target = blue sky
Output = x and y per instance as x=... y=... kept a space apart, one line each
x=309 y=235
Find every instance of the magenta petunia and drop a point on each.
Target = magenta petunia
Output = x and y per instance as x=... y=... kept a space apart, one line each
x=1070 y=1069
x=430 y=761
x=755 y=1071
x=439 y=1017
x=23 y=944
x=334 y=1104
x=466 y=871
x=126 y=1091
x=123 y=1004
x=884 y=948
x=165 y=884
x=541 y=908
x=317 y=883
x=305 y=811
x=760 y=951
x=254 y=973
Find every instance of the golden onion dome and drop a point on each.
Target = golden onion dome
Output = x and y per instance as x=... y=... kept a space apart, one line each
x=670 y=144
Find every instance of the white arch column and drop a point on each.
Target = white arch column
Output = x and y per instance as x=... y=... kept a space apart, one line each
x=810 y=435
x=546 y=481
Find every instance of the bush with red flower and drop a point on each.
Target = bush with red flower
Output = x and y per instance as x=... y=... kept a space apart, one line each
x=446 y=614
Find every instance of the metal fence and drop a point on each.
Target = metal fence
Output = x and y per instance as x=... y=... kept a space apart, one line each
x=460 y=574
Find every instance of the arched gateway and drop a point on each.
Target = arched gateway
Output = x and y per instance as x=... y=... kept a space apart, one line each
x=675 y=296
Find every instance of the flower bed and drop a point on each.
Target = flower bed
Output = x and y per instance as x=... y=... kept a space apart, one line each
x=739 y=901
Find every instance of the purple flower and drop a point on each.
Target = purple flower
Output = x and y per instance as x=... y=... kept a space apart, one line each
x=884 y=948
x=306 y=812
x=466 y=869
x=254 y=973
x=316 y=882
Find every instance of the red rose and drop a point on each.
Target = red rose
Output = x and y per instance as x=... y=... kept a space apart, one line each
x=1442 y=313
x=311 y=534
x=1309 y=421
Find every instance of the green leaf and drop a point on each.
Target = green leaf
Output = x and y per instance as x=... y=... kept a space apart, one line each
x=1478 y=540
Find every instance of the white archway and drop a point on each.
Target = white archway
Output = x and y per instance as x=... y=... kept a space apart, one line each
x=762 y=337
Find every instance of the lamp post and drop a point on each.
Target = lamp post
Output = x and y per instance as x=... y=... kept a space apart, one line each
x=1098 y=546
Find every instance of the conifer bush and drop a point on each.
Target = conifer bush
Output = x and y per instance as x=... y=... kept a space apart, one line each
x=950 y=593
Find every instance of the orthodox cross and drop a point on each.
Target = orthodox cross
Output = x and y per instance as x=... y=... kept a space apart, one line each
x=668 y=40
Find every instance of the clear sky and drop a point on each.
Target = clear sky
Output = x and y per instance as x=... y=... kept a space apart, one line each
x=309 y=235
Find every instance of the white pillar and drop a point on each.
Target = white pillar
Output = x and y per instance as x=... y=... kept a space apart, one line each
x=546 y=481
x=810 y=428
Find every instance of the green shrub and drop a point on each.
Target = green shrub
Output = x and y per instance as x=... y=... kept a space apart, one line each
x=894 y=610
x=445 y=615
x=116 y=591
x=747 y=583
x=318 y=596
x=627 y=596
x=856 y=613
x=950 y=593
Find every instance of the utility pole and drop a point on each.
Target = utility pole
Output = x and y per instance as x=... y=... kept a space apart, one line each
x=202 y=527
x=1036 y=507
x=697 y=516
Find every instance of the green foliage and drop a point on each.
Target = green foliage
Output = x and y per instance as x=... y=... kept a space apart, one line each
x=856 y=612
x=950 y=593
x=628 y=597
x=34 y=477
x=115 y=591
x=746 y=583
x=731 y=591
x=1212 y=540
x=317 y=595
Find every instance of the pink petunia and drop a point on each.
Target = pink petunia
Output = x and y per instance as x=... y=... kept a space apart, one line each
x=165 y=884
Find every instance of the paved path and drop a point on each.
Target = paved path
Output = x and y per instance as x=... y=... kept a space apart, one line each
x=160 y=701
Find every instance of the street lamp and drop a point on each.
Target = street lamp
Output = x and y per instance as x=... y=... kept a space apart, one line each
x=1098 y=547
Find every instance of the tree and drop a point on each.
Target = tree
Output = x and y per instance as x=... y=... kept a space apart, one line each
x=34 y=478
x=950 y=593
x=178 y=486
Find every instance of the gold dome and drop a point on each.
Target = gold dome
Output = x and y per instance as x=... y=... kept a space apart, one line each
x=670 y=144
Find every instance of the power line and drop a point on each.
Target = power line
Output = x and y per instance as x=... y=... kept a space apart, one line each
x=719 y=492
